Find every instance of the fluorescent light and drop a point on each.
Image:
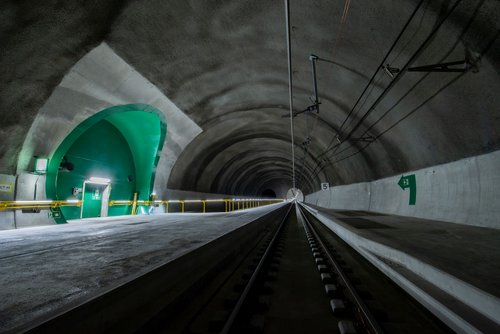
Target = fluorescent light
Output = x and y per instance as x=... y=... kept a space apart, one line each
x=103 y=180
x=41 y=165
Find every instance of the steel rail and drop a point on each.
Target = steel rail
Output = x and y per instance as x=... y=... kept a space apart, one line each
x=369 y=319
x=239 y=304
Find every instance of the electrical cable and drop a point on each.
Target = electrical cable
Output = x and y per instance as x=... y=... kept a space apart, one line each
x=402 y=119
x=459 y=38
x=398 y=76
x=488 y=46
x=340 y=27
x=396 y=79
x=290 y=84
x=408 y=21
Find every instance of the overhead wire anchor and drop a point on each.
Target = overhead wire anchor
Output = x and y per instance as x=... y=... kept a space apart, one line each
x=315 y=107
x=367 y=139
x=459 y=66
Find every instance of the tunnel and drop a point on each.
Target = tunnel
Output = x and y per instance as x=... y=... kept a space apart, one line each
x=153 y=152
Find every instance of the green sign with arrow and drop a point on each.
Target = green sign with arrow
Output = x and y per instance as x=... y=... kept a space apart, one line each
x=409 y=181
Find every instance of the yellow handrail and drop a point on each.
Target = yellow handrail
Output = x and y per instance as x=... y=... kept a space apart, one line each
x=229 y=203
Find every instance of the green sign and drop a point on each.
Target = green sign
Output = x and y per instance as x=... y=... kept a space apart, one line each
x=409 y=181
x=96 y=195
x=54 y=213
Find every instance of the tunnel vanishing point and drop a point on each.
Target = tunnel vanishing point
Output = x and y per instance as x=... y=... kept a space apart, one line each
x=113 y=108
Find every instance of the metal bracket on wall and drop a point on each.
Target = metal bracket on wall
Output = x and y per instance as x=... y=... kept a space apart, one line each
x=452 y=66
x=460 y=66
x=367 y=139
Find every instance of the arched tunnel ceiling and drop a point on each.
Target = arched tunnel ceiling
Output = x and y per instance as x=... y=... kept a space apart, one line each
x=224 y=64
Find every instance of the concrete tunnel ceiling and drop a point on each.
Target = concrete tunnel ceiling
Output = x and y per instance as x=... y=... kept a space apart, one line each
x=224 y=64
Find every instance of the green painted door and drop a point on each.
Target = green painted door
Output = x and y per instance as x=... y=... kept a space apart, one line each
x=92 y=200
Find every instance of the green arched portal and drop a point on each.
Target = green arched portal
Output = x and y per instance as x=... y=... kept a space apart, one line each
x=121 y=144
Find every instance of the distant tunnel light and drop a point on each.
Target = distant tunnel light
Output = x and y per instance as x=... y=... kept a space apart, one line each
x=102 y=180
x=41 y=165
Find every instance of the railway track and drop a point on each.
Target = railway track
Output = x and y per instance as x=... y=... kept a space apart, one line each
x=301 y=278
x=294 y=276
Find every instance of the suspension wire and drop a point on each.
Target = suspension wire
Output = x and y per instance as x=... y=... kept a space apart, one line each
x=316 y=116
x=403 y=70
x=410 y=39
x=464 y=30
x=401 y=119
x=488 y=46
x=398 y=76
x=309 y=130
x=290 y=83
x=374 y=75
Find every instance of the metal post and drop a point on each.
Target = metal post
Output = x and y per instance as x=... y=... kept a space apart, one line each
x=134 y=204
x=182 y=206
x=314 y=59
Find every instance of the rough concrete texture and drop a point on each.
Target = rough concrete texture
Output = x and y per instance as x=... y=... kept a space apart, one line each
x=48 y=267
x=432 y=260
x=100 y=80
x=224 y=64
x=463 y=192
x=31 y=187
x=7 y=187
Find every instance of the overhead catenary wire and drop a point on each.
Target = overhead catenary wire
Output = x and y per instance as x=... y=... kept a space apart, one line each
x=314 y=58
x=460 y=37
x=452 y=81
x=398 y=76
x=400 y=120
x=290 y=83
x=382 y=62
x=309 y=131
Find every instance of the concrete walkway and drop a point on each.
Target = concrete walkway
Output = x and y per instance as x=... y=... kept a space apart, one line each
x=45 y=268
x=453 y=269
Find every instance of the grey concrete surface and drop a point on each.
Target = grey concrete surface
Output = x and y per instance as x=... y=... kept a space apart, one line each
x=7 y=193
x=463 y=192
x=224 y=65
x=220 y=68
x=100 y=80
x=425 y=256
x=45 y=268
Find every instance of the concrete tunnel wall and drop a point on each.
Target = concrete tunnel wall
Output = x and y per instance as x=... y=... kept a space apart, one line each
x=101 y=79
x=220 y=70
x=463 y=191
